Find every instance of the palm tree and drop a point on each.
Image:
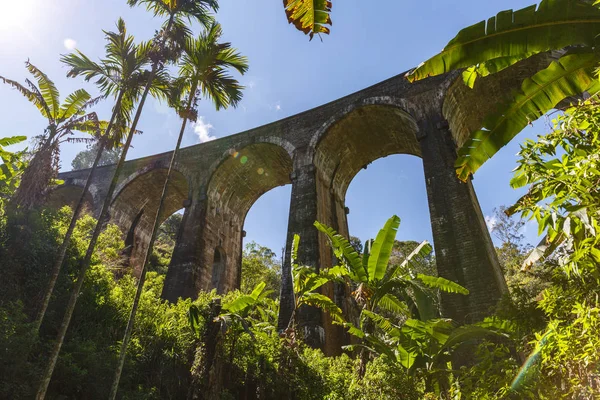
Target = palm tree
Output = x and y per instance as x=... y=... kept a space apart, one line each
x=165 y=48
x=567 y=26
x=203 y=71
x=119 y=75
x=63 y=121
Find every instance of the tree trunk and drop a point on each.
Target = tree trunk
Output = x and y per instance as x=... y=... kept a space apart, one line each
x=85 y=264
x=67 y=240
x=142 y=279
x=205 y=355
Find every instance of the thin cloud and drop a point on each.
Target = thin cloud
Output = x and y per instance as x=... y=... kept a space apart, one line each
x=70 y=44
x=491 y=222
x=202 y=130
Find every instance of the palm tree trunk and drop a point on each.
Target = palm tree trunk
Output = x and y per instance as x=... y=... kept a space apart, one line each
x=85 y=264
x=67 y=240
x=140 y=285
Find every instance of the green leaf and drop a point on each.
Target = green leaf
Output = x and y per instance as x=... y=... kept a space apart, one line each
x=295 y=243
x=383 y=323
x=194 y=317
x=342 y=246
x=442 y=284
x=391 y=303
x=569 y=76
x=382 y=249
x=413 y=260
x=258 y=290
x=555 y=24
x=239 y=304
x=309 y=16
x=467 y=333
x=424 y=301
x=490 y=67
x=325 y=303
x=49 y=91
x=9 y=141
x=73 y=104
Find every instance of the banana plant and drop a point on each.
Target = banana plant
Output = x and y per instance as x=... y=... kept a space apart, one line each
x=412 y=335
x=382 y=288
x=568 y=26
x=309 y=16
x=63 y=121
x=306 y=283
x=378 y=285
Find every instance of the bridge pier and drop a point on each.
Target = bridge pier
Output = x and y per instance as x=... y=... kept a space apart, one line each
x=303 y=214
x=181 y=276
x=464 y=251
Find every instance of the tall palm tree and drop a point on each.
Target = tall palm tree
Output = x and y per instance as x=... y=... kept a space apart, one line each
x=165 y=48
x=203 y=72
x=63 y=121
x=120 y=75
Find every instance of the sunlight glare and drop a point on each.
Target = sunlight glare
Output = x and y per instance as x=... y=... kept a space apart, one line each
x=17 y=14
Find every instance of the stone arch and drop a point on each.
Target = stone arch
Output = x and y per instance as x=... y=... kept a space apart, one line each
x=235 y=185
x=374 y=129
x=274 y=140
x=135 y=205
x=350 y=141
x=69 y=195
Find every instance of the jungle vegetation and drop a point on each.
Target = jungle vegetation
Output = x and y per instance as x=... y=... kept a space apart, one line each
x=76 y=323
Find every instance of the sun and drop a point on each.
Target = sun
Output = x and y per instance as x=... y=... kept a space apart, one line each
x=17 y=15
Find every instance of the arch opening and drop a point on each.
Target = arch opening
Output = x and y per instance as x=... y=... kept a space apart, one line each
x=351 y=144
x=235 y=186
x=359 y=138
x=134 y=209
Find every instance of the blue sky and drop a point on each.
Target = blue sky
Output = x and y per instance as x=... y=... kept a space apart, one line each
x=288 y=74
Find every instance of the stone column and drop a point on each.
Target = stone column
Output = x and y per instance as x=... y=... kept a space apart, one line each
x=463 y=247
x=181 y=277
x=303 y=214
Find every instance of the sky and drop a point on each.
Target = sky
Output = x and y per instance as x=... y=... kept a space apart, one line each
x=288 y=74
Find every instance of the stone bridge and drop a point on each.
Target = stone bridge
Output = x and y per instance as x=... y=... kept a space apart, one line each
x=318 y=152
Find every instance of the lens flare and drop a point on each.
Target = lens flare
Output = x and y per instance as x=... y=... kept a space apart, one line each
x=244 y=159
x=260 y=171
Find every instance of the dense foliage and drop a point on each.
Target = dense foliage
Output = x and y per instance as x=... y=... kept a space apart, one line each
x=542 y=342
